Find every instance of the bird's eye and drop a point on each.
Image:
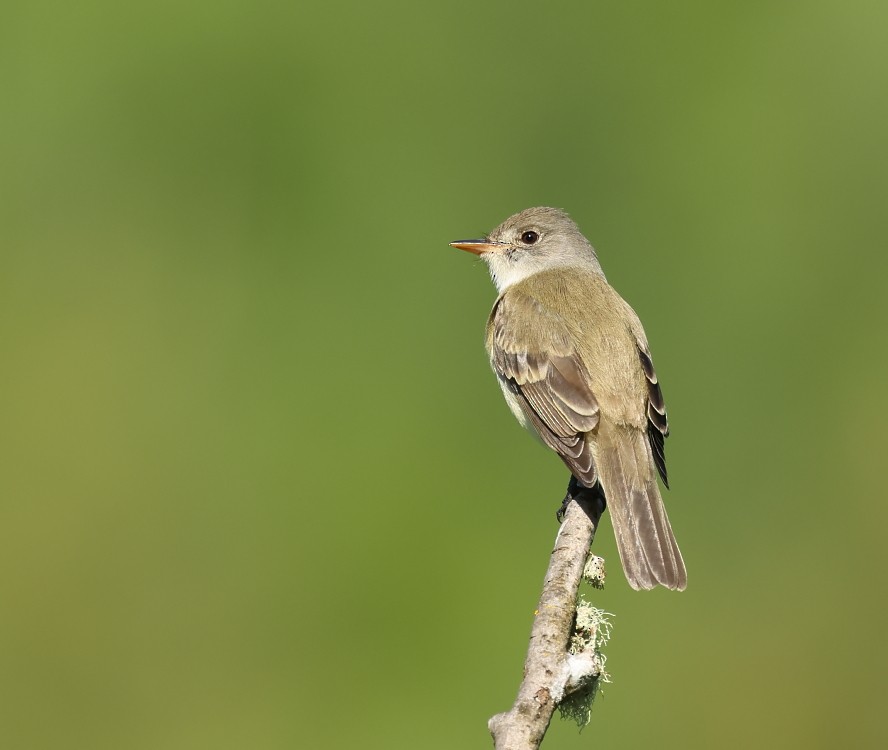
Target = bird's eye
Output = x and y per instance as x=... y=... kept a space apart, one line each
x=529 y=237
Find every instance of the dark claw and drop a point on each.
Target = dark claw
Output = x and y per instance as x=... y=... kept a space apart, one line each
x=574 y=488
x=576 y=491
x=559 y=514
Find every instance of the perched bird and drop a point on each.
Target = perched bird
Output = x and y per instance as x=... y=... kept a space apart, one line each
x=574 y=366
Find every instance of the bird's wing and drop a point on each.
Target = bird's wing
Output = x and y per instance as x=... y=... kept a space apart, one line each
x=658 y=426
x=539 y=365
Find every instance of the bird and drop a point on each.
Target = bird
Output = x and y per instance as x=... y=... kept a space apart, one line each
x=574 y=365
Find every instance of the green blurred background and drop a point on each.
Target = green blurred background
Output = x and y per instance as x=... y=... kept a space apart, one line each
x=259 y=488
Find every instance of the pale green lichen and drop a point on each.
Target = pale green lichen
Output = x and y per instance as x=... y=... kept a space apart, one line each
x=592 y=630
x=593 y=571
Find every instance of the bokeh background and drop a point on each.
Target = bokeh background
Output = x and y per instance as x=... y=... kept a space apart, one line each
x=258 y=486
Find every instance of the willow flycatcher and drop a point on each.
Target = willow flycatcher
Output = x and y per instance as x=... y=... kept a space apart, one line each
x=574 y=365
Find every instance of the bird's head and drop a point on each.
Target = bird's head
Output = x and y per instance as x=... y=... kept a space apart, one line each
x=534 y=240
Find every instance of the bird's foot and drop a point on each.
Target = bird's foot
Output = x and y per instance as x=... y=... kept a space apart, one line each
x=592 y=496
x=574 y=488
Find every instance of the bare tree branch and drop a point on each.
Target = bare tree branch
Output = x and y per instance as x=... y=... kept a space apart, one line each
x=550 y=672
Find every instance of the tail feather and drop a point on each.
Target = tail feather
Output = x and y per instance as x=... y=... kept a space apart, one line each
x=647 y=546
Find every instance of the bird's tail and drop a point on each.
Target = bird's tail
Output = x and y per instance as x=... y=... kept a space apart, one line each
x=648 y=550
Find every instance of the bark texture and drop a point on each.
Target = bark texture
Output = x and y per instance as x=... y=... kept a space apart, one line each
x=549 y=671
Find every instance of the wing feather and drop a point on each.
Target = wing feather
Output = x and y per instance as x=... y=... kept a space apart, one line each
x=540 y=366
x=658 y=425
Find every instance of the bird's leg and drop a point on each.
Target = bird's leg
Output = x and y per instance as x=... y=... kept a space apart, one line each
x=587 y=497
x=573 y=489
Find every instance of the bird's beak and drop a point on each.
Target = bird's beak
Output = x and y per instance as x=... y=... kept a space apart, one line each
x=479 y=247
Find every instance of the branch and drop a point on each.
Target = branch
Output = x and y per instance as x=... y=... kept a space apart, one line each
x=550 y=672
